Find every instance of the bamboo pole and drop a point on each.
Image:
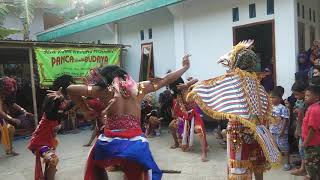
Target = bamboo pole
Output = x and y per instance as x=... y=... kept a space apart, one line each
x=33 y=87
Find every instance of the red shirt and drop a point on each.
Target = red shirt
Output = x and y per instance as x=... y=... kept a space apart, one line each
x=312 y=120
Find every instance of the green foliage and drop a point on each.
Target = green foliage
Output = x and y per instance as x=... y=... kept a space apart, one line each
x=24 y=10
x=7 y=32
x=4 y=11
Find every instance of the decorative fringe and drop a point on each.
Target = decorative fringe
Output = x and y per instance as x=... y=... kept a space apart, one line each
x=246 y=176
x=261 y=168
x=240 y=164
x=249 y=165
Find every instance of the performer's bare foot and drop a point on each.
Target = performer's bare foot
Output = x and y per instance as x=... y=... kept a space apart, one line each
x=12 y=153
x=208 y=149
x=307 y=177
x=87 y=145
x=111 y=168
x=223 y=143
x=204 y=158
x=150 y=136
x=298 y=172
x=175 y=146
x=190 y=149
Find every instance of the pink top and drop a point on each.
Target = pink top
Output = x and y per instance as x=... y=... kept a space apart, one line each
x=122 y=122
x=311 y=120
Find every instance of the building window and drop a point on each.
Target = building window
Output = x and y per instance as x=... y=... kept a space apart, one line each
x=303 y=11
x=252 y=10
x=150 y=33
x=298 y=9
x=314 y=16
x=235 y=14
x=142 y=35
x=310 y=16
x=270 y=7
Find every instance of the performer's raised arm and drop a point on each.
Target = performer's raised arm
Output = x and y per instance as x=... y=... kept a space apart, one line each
x=153 y=85
x=191 y=81
x=76 y=93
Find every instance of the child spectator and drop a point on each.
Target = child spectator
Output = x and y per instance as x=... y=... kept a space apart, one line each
x=152 y=123
x=280 y=91
x=298 y=89
x=311 y=130
x=293 y=145
x=316 y=71
x=279 y=128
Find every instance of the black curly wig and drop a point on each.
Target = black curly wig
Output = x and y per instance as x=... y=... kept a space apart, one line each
x=108 y=73
x=62 y=82
x=173 y=86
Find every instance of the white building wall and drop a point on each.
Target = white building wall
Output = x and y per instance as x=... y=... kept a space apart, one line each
x=208 y=29
x=37 y=25
x=315 y=6
x=208 y=34
x=286 y=43
x=203 y=28
x=161 y=22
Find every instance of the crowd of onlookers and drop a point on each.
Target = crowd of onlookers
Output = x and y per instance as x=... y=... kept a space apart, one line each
x=309 y=62
x=296 y=127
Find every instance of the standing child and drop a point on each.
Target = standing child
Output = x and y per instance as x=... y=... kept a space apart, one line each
x=298 y=89
x=279 y=128
x=311 y=131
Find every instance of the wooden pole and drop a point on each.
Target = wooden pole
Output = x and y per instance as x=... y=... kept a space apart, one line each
x=33 y=87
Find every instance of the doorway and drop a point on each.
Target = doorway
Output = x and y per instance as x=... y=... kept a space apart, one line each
x=264 y=45
x=146 y=64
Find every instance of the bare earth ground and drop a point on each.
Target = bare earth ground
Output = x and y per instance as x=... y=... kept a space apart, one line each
x=73 y=157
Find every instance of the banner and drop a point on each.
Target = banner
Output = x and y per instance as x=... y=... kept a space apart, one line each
x=77 y=62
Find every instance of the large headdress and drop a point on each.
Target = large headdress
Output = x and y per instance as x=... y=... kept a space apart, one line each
x=241 y=56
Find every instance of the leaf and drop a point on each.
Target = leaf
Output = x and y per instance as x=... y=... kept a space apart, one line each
x=4 y=11
x=7 y=32
x=25 y=9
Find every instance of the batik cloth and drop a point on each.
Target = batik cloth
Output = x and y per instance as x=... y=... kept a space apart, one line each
x=280 y=114
x=312 y=160
x=282 y=142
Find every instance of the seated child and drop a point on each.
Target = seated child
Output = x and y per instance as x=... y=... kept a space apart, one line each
x=152 y=123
